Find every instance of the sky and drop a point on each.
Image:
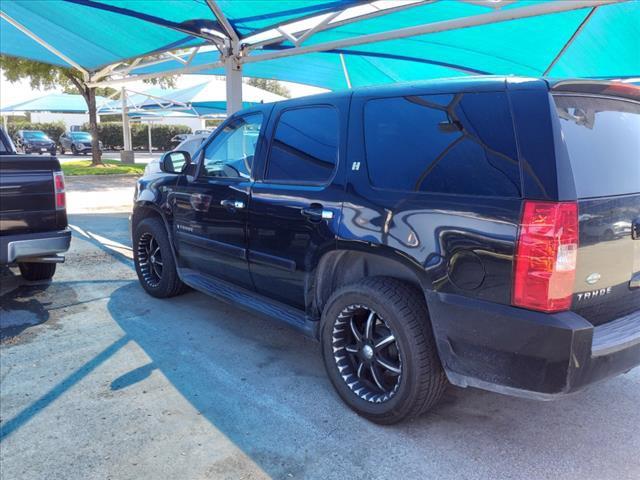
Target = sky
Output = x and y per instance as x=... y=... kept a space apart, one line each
x=12 y=93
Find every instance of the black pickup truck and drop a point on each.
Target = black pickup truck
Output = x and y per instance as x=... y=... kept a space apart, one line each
x=33 y=216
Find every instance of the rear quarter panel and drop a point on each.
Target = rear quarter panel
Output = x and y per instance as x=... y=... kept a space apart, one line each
x=457 y=243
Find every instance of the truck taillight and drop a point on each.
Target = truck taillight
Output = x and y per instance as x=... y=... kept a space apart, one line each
x=546 y=252
x=58 y=187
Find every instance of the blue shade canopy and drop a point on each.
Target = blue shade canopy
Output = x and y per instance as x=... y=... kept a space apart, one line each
x=599 y=39
x=207 y=98
x=54 y=102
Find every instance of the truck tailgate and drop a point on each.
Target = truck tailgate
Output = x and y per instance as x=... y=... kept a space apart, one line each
x=27 y=202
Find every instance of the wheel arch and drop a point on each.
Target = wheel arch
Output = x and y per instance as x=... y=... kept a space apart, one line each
x=145 y=209
x=348 y=265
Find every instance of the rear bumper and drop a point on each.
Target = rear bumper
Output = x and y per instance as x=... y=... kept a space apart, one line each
x=530 y=354
x=14 y=248
x=35 y=149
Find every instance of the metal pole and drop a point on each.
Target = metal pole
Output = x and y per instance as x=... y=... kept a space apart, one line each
x=345 y=71
x=149 y=133
x=126 y=156
x=233 y=71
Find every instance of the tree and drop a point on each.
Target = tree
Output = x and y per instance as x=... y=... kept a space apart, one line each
x=273 y=86
x=43 y=75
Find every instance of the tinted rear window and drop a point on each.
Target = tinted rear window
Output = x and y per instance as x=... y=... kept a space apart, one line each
x=456 y=143
x=602 y=137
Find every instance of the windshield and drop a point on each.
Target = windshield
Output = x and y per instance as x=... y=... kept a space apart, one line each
x=602 y=136
x=80 y=136
x=36 y=135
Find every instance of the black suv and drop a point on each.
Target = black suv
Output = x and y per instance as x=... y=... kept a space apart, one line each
x=479 y=231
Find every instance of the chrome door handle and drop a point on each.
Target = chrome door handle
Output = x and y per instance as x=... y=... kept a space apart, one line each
x=316 y=213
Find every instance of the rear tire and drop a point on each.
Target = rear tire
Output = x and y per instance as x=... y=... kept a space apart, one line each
x=385 y=384
x=153 y=258
x=37 y=271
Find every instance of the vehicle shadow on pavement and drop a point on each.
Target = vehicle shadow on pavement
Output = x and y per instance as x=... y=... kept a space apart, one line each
x=264 y=386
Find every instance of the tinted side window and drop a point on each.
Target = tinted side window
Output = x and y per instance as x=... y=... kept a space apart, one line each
x=462 y=144
x=305 y=145
x=230 y=154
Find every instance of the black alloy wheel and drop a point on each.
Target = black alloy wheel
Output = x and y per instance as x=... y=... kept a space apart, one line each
x=153 y=259
x=379 y=351
x=150 y=259
x=366 y=353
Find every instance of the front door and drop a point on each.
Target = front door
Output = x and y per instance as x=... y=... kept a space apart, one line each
x=211 y=211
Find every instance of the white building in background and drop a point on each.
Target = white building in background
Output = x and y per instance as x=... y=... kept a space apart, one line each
x=193 y=122
x=69 y=119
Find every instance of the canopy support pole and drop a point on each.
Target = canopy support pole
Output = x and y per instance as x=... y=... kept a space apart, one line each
x=224 y=21
x=233 y=71
x=346 y=72
x=126 y=156
x=149 y=133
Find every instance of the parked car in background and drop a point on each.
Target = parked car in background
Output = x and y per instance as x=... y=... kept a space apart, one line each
x=76 y=142
x=190 y=144
x=425 y=233
x=204 y=131
x=34 y=141
x=33 y=217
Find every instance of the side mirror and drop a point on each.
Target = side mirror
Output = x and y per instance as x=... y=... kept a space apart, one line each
x=175 y=162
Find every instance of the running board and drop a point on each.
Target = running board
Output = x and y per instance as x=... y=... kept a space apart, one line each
x=248 y=300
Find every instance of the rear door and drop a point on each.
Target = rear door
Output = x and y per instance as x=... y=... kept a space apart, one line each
x=296 y=203
x=601 y=134
x=210 y=211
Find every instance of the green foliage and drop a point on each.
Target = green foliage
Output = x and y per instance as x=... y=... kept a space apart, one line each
x=52 y=129
x=40 y=75
x=272 y=86
x=110 y=133
x=213 y=122
x=100 y=91
x=109 y=167
x=45 y=76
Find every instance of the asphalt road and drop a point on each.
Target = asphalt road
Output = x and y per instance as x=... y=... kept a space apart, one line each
x=101 y=381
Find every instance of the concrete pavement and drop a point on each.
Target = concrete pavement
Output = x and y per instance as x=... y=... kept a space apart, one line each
x=100 y=380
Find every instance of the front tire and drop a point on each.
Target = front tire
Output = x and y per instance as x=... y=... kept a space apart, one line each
x=154 y=260
x=35 y=272
x=379 y=351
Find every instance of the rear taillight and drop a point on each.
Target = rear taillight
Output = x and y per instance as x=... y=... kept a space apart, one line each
x=58 y=187
x=546 y=252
